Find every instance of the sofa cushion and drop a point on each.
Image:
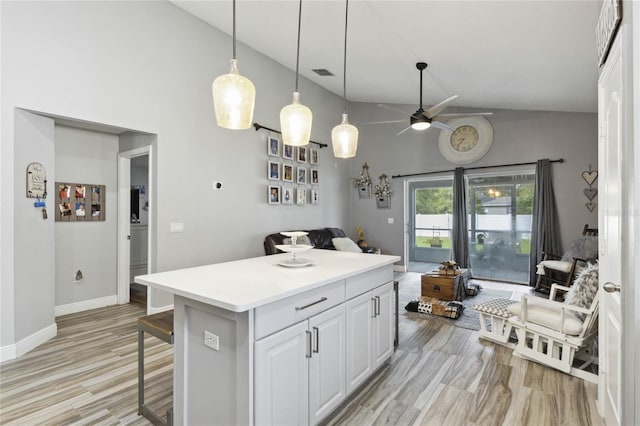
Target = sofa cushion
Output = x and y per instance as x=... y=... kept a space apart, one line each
x=346 y=244
x=321 y=238
x=584 y=289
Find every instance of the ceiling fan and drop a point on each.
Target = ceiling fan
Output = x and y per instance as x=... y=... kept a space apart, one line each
x=421 y=119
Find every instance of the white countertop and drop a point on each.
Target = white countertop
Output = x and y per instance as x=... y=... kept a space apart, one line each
x=246 y=284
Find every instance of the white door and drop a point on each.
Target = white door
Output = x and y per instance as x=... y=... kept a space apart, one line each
x=359 y=323
x=327 y=388
x=383 y=324
x=282 y=377
x=611 y=233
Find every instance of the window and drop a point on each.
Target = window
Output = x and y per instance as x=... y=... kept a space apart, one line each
x=431 y=220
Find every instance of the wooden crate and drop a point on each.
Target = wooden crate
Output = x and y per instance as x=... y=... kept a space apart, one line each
x=439 y=286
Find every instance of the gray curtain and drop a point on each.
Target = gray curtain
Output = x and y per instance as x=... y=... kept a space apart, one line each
x=545 y=229
x=459 y=237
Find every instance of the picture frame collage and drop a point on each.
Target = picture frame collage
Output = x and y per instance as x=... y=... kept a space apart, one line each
x=80 y=202
x=291 y=181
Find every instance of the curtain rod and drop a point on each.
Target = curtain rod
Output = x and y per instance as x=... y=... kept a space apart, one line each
x=260 y=126
x=560 y=160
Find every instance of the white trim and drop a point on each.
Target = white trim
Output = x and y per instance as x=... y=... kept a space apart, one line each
x=151 y=310
x=20 y=348
x=85 y=305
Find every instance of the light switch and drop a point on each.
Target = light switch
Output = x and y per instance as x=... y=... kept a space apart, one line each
x=390 y=220
x=176 y=227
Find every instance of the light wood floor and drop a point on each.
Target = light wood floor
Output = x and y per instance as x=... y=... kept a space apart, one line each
x=440 y=375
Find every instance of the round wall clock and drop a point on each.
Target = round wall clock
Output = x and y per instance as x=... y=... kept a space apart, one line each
x=468 y=142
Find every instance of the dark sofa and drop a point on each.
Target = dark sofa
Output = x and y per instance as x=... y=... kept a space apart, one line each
x=320 y=238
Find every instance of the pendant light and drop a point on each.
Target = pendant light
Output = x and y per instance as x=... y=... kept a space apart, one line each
x=233 y=95
x=295 y=118
x=344 y=136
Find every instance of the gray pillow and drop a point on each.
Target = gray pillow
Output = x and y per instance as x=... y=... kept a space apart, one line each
x=304 y=240
x=584 y=289
x=585 y=247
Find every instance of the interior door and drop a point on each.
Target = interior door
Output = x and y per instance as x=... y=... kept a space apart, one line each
x=612 y=233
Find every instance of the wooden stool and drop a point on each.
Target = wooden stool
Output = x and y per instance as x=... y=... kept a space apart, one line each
x=159 y=325
x=495 y=314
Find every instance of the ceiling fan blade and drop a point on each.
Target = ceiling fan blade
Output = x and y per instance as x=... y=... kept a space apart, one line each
x=434 y=110
x=441 y=126
x=403 y=130
x=384 y=122
x=393 y=109
x=463 y=114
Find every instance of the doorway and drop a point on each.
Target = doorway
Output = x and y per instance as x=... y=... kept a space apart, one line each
x=134 y=223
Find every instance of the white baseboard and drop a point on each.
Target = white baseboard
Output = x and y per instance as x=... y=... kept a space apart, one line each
x=154 y=310
x=399 y=268
x=25 y=345
x=85 y=305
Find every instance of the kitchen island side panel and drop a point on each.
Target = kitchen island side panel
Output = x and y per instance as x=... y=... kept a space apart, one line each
x=213 y=387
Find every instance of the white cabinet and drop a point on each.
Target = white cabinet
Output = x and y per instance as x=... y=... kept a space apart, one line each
x=369 y=333
x=300 y=371
x=282 y=377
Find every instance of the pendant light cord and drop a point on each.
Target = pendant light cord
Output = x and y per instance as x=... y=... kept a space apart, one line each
x=298 y=48
x=234 y=29
x=344 y=73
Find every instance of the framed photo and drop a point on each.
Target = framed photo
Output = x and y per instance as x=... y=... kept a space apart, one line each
x=80 y=202
x=301 y=175
x=274 y=194
x=314 y=196
x=313 y=159
x=302 y=154
x=301 y=196
x=314 y=176
x=287 y=195
x=287 y=172
x=273 y=171
x=287 y=152
x=273 y=146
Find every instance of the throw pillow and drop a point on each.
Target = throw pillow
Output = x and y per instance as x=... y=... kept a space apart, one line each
x=346 y=244
x=304 y=240
x=584 y=289
x=585 y=247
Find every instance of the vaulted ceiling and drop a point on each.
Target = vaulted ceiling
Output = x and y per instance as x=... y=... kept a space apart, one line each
x=514 y=54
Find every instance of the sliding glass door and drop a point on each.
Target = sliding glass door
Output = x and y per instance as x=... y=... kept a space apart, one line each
x=430 y=220
x=500 y=215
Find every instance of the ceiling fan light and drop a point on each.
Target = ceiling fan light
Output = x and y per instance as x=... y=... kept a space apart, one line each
x=420 y=125
x=295 y=123
x=233 y=99
x=344 y=138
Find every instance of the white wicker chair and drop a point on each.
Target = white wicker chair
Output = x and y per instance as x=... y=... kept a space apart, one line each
x=555 y=334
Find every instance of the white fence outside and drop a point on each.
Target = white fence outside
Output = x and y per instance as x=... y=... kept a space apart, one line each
x=442 y=224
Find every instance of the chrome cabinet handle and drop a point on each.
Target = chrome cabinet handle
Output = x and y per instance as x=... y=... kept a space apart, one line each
x=611 y=287
x=377 y=305
x=374 y=307
x=317 y=339
x=299 y=308
x=308 y=333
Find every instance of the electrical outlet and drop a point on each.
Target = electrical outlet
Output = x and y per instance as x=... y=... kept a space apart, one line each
x=211 y=340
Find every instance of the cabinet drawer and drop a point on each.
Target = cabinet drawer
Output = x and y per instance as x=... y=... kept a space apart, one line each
x=362 y=283
x=278 y=315
x=439 y=287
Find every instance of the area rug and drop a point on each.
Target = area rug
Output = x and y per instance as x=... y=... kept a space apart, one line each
x=409 y=289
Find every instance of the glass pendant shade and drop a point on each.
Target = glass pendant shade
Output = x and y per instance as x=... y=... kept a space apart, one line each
x=420 y=125
x=234 y=97
x=295 y=123
x=344 y=138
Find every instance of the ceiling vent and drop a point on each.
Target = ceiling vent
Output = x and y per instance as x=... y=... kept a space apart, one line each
x=322 y=72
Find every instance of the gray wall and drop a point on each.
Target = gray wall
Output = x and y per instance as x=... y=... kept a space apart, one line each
x=519 y=136
x=33 y=236
x=148 y=67
x=84 y=156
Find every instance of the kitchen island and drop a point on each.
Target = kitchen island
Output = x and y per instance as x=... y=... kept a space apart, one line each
x=259 y=343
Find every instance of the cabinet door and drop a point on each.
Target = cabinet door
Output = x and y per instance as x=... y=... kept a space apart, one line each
x=327 y=388
x=383 y=324
x=282 y=377
x=359 y=322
